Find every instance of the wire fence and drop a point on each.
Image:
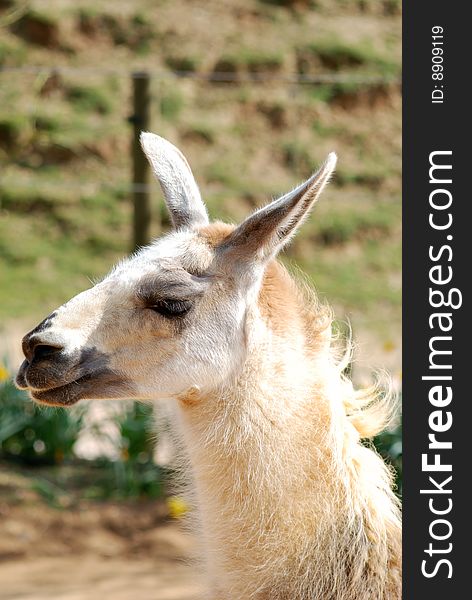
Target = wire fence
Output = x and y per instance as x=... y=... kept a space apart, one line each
x=212 y=76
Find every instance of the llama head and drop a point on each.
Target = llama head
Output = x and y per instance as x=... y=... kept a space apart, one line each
x=172 y=317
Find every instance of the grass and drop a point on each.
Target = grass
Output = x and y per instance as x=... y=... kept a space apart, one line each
x=183 y=63
x=12 y=52
x=171 y=103
x=334 y=54
x=201 y=132
x=292 y=4
x=252 y=60
x=62 y=247
x=12 y=128
x=298 y=158
x=356 y=224
x=357 y=282
x=87 y=98
x=46 y=123
x=370 y=175
x=258 y=62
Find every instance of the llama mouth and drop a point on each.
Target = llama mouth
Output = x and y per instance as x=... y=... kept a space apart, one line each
x=41 y=393
x=64 y=382
x=99 y=385
x=61 y=395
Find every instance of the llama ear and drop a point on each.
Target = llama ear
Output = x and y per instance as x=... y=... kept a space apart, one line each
x=178 y=184
x=267 y=230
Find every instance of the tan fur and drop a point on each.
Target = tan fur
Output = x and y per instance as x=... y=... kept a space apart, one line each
x=215 y=233
x=190 y=397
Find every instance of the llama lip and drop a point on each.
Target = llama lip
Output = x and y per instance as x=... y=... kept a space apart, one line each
x=62 y=395
x=58 y=395
x=20 y=379
x=68 y=379
x=104 y=384
x=24 y=382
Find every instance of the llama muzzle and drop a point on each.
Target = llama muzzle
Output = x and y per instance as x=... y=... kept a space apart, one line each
x=55 y=377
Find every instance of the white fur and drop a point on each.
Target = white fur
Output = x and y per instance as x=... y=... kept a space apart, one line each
x=175 y=176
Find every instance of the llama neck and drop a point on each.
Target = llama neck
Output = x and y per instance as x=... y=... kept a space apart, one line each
x=248 y=452
x=282 y=486
x=277 y=493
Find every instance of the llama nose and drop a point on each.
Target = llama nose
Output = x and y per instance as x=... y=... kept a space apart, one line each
x=36 y=349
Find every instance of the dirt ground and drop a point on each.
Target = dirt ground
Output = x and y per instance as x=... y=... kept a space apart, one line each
x=91 y=550
x=86 y=577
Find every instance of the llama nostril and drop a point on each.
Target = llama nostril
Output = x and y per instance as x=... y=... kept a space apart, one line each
x=35 y=347
x=41 y=351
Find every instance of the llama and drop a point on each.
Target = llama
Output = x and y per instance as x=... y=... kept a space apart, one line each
x=290 y=504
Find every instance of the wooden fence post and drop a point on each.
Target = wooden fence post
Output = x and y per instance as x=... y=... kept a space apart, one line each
x=140 y=186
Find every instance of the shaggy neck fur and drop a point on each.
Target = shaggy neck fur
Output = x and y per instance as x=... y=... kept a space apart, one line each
x=291 y=505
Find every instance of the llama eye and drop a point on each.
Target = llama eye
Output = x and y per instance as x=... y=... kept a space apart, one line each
x=171 y=308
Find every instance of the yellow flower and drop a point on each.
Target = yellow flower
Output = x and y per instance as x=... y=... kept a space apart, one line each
x=4 y=374
x=177 y=506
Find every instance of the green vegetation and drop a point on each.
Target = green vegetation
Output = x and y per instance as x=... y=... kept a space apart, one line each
x=61 y=247
x=34 y=435
x=171 y=104
x=136 y=472
x=202 y=133
x=251 y=61
x=389 y=446
x=334 y=54
x=41 y=437
x=186 y=64
x=11 y=129
x=12 y=52
x=376 y=222
x=298 y=158
x=86 y=98
x=257 y=62
x=292 y=3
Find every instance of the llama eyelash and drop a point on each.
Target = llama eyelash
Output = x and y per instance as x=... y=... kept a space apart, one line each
x=171 y=308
